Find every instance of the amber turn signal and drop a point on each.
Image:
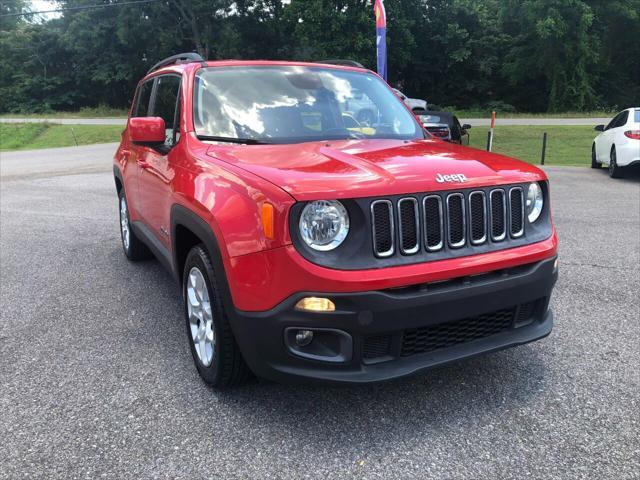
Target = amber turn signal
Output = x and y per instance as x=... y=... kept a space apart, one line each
x=315 y=304
x=267 y=220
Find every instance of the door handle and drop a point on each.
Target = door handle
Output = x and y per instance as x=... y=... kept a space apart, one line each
x=142 y=164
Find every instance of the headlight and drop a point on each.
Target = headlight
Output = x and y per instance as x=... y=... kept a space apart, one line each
x=535 y=202
x=324 y=224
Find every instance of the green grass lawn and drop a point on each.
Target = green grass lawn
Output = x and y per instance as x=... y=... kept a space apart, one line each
x=108 y=112
x=86 y=112
x=28 y=136
x=465 y=114
x=566 y=145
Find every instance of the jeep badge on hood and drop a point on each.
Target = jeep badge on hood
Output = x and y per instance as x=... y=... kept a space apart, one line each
x=456 y=177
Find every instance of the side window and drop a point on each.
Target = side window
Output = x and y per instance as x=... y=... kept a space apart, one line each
x=618 y=121
x=142 y=99
x=623 y=119
x=164 y=104
x=612 y=123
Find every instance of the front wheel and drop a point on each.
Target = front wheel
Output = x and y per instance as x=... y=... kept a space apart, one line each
x=214 y=349
x=594 y=161
x=133 y=247
x=614 y=170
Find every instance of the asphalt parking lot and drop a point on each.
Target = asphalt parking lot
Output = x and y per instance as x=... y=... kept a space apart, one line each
x=97 y=381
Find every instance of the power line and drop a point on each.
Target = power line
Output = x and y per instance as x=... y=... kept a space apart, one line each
x=82 y=7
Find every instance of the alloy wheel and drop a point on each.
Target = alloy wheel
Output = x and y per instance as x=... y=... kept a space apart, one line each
x=200 y=317
x=124 y=223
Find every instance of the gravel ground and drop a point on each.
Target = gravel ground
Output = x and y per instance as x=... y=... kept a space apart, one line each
x=97 y=379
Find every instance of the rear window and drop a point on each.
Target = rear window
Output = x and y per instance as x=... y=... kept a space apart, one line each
x=637 y=117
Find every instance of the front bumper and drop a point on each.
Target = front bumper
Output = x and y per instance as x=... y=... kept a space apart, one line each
x=397 y=332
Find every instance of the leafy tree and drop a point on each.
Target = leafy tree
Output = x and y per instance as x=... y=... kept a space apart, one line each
x=617 y=73
x=9 y=8
x=553 y=51
x=537 y=55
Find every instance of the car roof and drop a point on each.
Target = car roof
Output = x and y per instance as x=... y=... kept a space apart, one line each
x=181 y=67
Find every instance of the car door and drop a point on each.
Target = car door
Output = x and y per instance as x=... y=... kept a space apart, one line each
x=155 y=165
x=617 y=134
x=131 y=152
x=606 y=139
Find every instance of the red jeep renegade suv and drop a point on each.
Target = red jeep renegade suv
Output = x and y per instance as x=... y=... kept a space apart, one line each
x=309 y=245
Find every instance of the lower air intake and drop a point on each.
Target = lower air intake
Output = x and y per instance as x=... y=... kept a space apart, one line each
x=376 y=347
x=443 y=335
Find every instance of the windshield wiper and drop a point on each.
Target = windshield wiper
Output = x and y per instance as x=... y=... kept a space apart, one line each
x=244 y=141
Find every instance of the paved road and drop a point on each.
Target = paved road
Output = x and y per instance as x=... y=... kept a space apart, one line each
x=97 y=380
x=476 y=122
x=57 y=161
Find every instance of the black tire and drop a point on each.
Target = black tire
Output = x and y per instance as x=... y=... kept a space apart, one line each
x=227 y=367
x=135 y=250
x=614 y=170
x=594 y=162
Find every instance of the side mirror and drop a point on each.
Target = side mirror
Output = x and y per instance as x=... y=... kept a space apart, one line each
x=147 y=130
x=466 y=126
x=599 y=128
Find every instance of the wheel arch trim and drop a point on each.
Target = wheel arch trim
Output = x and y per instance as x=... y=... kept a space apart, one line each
x=199 y=227
x=117 y=177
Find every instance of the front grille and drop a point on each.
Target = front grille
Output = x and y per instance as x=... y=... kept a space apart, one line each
x=516 y=207
x=382 y=221
x=498 y=215
x=441 y=221
x=433 y=223
x=443 y=335
x=457 y=222
x=408 y=225
x=478 y=216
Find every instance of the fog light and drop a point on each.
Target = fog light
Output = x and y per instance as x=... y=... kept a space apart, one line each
x=316 y=304
x=304 y=337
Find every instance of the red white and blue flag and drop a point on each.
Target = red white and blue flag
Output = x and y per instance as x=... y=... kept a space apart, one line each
x=381 y=37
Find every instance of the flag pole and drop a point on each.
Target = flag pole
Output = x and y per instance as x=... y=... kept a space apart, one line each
x=493 y=124
x=381 y=37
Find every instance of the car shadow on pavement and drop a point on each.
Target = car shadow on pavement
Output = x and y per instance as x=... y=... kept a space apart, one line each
x=471 y=391
x=631 y=174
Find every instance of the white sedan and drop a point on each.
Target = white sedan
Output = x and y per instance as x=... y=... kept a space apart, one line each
x=619 y=143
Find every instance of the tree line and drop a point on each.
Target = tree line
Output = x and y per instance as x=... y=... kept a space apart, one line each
x=524 y=55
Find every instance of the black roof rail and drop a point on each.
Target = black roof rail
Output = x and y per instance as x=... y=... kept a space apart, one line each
x=342 y=63
x=179 y=58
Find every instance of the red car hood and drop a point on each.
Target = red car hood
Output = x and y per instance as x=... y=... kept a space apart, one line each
x=367 y=168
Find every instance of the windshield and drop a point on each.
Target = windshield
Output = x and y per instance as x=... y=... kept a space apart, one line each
x=297 y=104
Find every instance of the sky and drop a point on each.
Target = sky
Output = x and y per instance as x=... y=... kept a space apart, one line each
x=40 y=5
